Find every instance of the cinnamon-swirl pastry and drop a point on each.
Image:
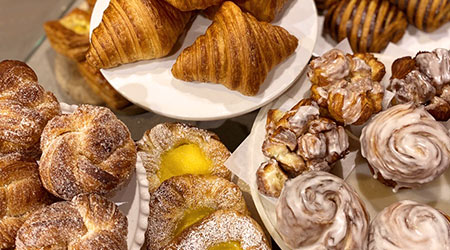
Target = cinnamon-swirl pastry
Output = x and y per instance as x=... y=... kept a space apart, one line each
x=318 y=210
x=409 y=225
x=405 y=146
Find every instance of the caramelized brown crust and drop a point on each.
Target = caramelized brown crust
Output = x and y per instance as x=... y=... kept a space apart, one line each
x=25 y=108
x=187 y=5
x=263 y=10
x=369 y=25
x=323 y=5
x=187 y=192
x=237 y=51
x=134 y=30
x=89 y=151
x=86 y=222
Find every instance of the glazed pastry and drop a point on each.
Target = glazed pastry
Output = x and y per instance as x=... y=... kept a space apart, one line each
x=405 y=147
x=182 y=201
x=318 y=210
x=237 y=51
x=25 y=109
x=301 y=140
x=21 y=193
x=86 y=222
x=323 y=5
x=223 y=229
x=134 y=30
x=368 y=25
x=187 y=5
x=172 y=149
x=427 y=15
x=69 y=35
x=347 y=86
x=88 y=151
x=424 y=79
x=409 y=225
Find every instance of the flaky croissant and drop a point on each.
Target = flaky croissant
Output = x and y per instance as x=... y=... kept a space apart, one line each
x=134 y=30
x=186 y=5
x=237 y=51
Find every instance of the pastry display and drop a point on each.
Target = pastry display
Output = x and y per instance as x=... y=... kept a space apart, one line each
x=182 y=201
x=86 y=222
x=299 y=140
x=347 y=86
x=405 y=146
x=318 y=210
x=187 y=5
x=409 y=225
x=25 y=109
x=88 y=151
x=21 y=193
x=368 y=25
x=134 y=30
x=425 y=80
x=237 y=51
x=172 y=149
x=224 y=229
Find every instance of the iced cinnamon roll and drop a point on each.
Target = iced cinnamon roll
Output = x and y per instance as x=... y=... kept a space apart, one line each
x=409 y=225
x=405 y=146
x=318 y=210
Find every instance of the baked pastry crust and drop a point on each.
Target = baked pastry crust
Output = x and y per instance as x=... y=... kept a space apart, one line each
x=188 y=5
x=187 y=192
x=88 y=151
x=263 y=10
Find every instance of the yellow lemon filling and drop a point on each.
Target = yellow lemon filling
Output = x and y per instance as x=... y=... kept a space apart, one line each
x=79 y=26
x=184 y=159
x=191 y=216
x=232 y=245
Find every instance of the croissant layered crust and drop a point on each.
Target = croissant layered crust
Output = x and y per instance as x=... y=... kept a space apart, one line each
x=187 y=5
x=263 y=10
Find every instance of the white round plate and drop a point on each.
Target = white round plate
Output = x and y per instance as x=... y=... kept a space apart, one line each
x=150 y=83
x=375 y=195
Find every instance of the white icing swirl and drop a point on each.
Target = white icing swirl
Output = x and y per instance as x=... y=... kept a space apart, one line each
x=318 y=210
x=409 y=225
x=334 y=65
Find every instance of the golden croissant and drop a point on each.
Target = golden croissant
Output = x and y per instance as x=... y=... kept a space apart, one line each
x=237 y=51
x=186 y=5
x=134 y=30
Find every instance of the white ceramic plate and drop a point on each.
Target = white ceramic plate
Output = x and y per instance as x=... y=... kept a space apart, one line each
x=150 y=83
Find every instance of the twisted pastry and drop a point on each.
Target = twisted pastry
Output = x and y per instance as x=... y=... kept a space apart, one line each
x=405 y=146
x=409 y=225
x=369 y=25
x=237 y=51
x=187 y=5
x=318 y=210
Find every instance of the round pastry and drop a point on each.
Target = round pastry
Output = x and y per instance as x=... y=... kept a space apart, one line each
x=86 y=222
x=88 y=151
x=25 y=109
x=347 y=86
x=222 y=230
x=318 y=210
x=172 y=149
x=21 y=193
x=409 y=225
x=182 y=201
x=405 y=147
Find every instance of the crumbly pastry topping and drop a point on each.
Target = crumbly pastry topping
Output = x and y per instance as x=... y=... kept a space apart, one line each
x=407 y=145
x=409 y=225
x=318 y=210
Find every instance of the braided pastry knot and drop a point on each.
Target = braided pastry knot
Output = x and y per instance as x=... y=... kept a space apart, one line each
x=405 y=146
x=87 y=222
x=89 y=151
x=318 y=210
x=25 y=108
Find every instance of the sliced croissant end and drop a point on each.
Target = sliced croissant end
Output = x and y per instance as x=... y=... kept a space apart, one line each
x=270 y=178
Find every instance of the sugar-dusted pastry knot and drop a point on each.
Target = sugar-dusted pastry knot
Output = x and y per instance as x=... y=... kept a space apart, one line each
x=25 y=109
x=405 y=146
x=425 y=80
x=409 y=225
x=427 y=15
x=318 y=210
x=87 y=222
x=187 y=5
x=88 y=151
x=134 y=30
x=348 y=86
x=237 y=51
x=368 y=25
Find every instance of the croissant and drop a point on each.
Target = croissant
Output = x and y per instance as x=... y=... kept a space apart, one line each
x=427 y=15
x=237 y=51
x=368 y=25
x=133 y=30
x=187 y=5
